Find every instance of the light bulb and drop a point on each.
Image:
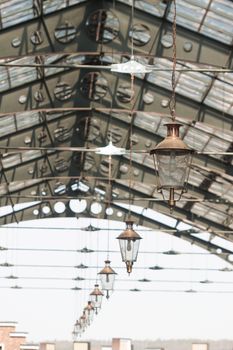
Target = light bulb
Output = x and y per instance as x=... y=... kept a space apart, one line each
x=128 y=245
x=172 y=162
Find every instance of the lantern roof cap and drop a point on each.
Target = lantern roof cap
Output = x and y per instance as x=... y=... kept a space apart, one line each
x=129 y=233
x=172 y=141
x=107 y=270
x=89 y=306
x=96 y=291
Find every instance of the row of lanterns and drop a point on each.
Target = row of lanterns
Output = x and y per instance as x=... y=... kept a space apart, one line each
x=93 y=306
x=107 y=278
x=129 y=246
x=173 y=159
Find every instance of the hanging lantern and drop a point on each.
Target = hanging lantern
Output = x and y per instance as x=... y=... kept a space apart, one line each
x=89 y=312
x=96 y=298
x=173 y=159
x=77 y=329
x=129 y=245
x=107 y=277
x=83 y=321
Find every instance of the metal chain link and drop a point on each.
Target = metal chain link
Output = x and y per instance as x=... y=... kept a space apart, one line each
x=172 y=102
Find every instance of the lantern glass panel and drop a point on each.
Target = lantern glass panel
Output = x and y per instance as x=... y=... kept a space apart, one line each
x=96 y=300
x=107 y=281
x=83 y=322
x=173 y=168
x=129 y=249
x=77 y=329
x=89 y=313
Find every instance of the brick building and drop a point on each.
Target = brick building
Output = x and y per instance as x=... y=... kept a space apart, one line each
x=10 y=339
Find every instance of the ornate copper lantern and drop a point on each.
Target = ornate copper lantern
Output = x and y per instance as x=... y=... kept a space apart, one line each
x=173 y=159
x=83 y=321
x=107 y=277
x=89 y=312
x=77 y=330
x=129 y=245
x=96 y=298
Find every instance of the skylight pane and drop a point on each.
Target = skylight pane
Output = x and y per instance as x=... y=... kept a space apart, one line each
x=196 y=139
x=54 y=5
x=220 y=96
x=223 y=8
x=216 y=216
x=7 y=125
x=225 y=190
x=195 y=178
x=156 y=8
x=147 y=121
x=21 y=206
x=158 y=217
x=16 y=12
x=218 y=27
x=6 y=210
x=217 y=145
x=185 y=16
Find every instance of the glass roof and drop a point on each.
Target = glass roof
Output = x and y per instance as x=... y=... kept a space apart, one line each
x=213 y=18
x=18 y=11
x=50 y=182
x=214 y=91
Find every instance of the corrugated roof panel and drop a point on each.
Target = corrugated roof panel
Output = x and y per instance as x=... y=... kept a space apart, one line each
x=222 y=189
x=195 y=178
x=217 y=145
x=147 y=121
x=220 y=96
x=154 y=7
x=184 y=13
x=216 y=216
x=54 y=5
x=196 y=139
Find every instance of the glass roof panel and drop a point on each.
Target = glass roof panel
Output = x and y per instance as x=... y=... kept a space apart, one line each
x=212 y=18
x=13 y=12
x=147 y=121
x=146 y=160
x=196 y=139
x=19 y=185
x=16 y=11
x=6 y=210
x=50 y=6
x=217 y=145
x=11 y=77
x=185 y=17
x=154 y=7
x=216 y=22
x=220 y=96
x=15 y=159
x=195 y=177
x=218 y=216
x=222 y=188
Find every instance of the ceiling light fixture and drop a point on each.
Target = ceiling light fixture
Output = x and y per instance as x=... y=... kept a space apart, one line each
x=78 y=330
x=129 y=245
x=132 y=66
x=107 y=274
x=172 y=157
x=96 y=297
x=89 y=311
x=107 y=278
x=110 y=150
